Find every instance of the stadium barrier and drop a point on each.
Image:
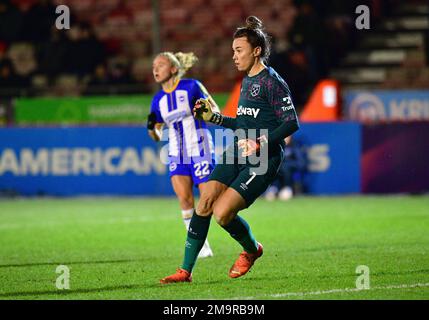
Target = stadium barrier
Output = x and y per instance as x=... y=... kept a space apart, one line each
x=5 y=112
x=81 y=161
x=132 y=109
x=71 y=161
x=343 y=158
x=395 y=158
x=82 y=110
x=377 y=106
x=333 y=152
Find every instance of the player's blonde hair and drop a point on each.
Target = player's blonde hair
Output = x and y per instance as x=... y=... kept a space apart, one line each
x=182 y=61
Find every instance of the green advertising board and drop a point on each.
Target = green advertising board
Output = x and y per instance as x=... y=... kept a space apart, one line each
x=87 y=110
x=82 y=110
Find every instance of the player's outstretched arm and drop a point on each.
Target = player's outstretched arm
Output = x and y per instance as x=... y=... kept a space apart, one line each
x=286 y=129
x=203 y=110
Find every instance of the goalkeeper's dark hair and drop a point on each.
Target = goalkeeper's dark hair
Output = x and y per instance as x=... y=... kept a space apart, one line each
x=256 y=35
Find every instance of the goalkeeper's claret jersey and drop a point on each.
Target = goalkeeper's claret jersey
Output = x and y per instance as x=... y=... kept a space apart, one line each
x=187 y=136
x=265 y=102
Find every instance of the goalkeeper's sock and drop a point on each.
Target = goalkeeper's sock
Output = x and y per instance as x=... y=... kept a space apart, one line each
x=197 y=234
x=186 y=216
x=205 y=251
x=239 y=229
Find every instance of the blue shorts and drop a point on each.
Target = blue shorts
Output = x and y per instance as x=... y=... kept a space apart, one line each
x=199 y=171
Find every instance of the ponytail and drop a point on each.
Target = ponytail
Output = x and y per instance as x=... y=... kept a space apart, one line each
x=182 y=61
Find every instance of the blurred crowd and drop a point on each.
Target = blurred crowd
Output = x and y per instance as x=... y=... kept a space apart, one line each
x=34 y=53
x=318 y=38
x=109 y=44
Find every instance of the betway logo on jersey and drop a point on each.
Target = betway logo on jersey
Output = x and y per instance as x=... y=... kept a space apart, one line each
x=247 y=111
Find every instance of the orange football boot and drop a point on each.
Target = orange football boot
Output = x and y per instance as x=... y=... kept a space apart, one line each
x=244 y=262
x=181 y=275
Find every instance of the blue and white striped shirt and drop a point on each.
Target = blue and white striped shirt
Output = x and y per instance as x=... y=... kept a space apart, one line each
x=187 y=136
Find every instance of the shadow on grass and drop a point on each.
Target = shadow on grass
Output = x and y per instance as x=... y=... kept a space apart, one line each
x=64 y=293
x=60 y=293
x=56 y=263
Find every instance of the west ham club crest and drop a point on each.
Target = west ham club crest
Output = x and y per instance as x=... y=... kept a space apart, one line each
x=254 y=91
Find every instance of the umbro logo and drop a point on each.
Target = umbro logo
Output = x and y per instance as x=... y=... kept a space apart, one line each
x=192 y=231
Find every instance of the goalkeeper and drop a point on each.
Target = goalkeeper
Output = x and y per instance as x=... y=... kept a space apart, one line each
x=265 y=103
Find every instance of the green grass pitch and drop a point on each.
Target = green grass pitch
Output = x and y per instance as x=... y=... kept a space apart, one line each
x=119 y=248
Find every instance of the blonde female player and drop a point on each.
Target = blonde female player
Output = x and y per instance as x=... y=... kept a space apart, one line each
x=190 y=144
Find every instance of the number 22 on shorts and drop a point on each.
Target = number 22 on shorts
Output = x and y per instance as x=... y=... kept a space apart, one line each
x=202 y=168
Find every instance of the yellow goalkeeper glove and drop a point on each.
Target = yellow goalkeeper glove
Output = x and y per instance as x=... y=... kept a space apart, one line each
x=203 y=110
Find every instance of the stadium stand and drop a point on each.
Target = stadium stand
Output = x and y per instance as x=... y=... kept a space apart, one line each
x=391 y=55
x=109 y=48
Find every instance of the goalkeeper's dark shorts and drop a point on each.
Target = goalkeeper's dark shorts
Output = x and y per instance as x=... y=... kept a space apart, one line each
x=247 y=179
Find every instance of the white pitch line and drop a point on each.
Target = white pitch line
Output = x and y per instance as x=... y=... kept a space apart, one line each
x=346 y=290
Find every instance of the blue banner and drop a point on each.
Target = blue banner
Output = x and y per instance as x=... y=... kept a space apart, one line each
x=125 y=161
x=81 y=161
x=333 y=153
x=386 y=105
